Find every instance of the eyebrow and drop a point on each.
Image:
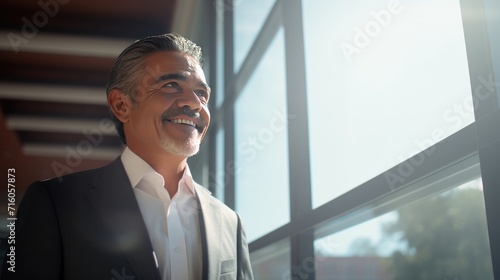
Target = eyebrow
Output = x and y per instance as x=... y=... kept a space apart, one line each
x=180 y=77
x=174 y=76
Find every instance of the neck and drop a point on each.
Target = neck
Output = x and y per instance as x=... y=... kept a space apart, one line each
x=171 y=167
x=171 y=171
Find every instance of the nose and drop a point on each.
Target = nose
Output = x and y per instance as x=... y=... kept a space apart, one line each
x=190 y=99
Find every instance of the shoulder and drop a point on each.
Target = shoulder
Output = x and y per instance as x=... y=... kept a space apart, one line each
x=213 y=207
x=204 y=193
x=82 y=177
x=74 y=185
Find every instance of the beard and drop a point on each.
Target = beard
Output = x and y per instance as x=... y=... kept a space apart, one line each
x=183 y=148
x=191 y=145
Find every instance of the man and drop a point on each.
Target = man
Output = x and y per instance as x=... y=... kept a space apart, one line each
x=142 y=216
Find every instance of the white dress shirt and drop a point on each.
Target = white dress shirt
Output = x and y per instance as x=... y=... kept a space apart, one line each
x=172 y=223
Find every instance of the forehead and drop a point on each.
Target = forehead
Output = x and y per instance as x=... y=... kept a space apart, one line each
x=165 y=62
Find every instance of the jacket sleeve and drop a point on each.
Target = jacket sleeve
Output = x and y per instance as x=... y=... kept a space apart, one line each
x=37 y=247
x=244 y=266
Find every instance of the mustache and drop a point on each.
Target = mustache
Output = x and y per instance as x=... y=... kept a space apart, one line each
x=184 y=111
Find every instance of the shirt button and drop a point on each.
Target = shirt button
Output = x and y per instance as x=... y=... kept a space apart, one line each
x=176 y=249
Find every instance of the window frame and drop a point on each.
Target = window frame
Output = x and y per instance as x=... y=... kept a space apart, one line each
x=479 y=140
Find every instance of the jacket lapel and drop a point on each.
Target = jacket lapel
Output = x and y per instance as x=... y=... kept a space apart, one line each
x=209 y=217
x=113 y=198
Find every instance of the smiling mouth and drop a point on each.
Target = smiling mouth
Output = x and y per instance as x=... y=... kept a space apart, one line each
x=183 y=121
x=185 y=116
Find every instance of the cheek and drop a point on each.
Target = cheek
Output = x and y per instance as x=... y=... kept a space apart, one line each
x=206 y=114
x=145 y=119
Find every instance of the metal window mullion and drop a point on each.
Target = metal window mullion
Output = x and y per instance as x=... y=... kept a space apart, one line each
x=302 y=244
x=487 y=116
x=237 y=81
x=228 y=110
x=259 y=47
x=212 y=134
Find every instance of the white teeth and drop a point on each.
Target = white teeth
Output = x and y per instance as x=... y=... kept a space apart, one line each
x=183 y=121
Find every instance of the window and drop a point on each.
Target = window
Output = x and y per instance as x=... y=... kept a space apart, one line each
x=249 y=17
x=261 y=146
x=440 y=237
x=218 y=177
x=272 y=262
x=384 y=83
x=389 y=113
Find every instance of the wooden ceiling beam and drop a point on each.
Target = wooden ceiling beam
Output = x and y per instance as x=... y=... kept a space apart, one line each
x=52 y=93
x=46 y=124
x=63 y=44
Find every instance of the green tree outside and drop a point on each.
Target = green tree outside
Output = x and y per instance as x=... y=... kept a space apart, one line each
x=446 y=238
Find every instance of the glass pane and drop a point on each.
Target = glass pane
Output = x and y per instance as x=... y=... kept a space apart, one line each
x=272 y=262
x=262 y=146
x=249 y=16
x=385 y=80
x=441 y=237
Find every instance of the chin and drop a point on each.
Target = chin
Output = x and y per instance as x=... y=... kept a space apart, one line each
x=184 y=149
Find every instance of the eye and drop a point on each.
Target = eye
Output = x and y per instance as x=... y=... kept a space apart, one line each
x=171 y=87
x=203 y=94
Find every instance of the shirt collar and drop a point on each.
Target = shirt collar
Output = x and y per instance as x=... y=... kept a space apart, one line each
x=136 y=168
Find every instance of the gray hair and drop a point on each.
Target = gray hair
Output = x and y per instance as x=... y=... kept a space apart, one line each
x=130 y=64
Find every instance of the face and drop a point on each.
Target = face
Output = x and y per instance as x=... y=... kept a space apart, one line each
x=170 y=114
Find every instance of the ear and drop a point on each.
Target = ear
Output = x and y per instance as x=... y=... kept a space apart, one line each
x=120 y=104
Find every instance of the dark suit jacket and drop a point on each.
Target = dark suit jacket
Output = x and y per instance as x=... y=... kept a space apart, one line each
x=88 y=225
